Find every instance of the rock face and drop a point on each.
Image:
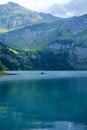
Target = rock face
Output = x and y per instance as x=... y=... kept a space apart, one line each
x=77 y=53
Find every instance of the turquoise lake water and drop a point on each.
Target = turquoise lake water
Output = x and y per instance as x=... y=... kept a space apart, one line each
x=55 y=100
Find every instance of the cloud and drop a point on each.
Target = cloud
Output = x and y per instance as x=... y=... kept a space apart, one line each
x=78 y=7
x=69 y=9
x=60 y=8
x=37 y=5
x=59 y=11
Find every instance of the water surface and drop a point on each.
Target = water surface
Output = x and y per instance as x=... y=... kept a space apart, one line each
x=52 y=101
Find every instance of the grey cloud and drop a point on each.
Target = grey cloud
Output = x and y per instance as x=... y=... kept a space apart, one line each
x=75 y=7
x=58 y=10
x=78 y=7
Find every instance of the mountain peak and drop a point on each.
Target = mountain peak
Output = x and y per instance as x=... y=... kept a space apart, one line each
x=12 y=4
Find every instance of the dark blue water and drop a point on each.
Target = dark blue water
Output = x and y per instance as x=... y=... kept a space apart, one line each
x=52 y=101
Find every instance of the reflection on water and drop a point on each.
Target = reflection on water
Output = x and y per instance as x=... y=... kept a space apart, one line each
x=43 y=103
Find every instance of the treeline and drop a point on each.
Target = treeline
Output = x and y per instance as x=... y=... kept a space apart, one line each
x=49 y=60
x=38 y=60
x=1 y=67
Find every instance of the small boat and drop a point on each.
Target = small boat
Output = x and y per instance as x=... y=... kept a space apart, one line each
x=42 y=73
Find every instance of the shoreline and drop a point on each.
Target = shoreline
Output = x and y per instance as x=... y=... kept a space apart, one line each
x=3 y=73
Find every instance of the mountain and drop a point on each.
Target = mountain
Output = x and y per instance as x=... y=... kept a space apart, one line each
x=14 y=16
x=48 y=43
x=38 y=36
x=31 y=37
x=75 y=25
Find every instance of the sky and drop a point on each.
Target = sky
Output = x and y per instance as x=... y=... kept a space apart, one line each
x=60 y=8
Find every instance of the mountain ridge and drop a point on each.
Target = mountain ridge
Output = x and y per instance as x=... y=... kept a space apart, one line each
x=41 y=34
x=13 y=16
x=49 y=43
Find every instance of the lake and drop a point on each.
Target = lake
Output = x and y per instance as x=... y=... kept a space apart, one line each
x=55 y=100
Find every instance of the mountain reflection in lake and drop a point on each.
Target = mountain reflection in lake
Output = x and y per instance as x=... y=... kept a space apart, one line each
x=45 y=103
